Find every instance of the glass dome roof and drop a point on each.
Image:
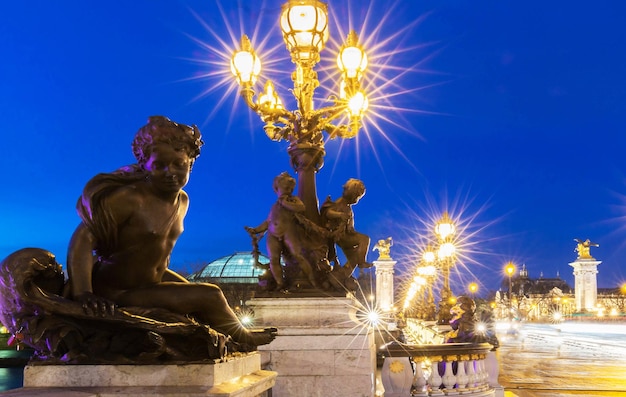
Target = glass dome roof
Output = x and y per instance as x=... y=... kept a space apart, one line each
x=235 y=268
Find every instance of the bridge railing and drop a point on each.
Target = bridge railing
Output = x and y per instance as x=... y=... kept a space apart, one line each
x=438 y=369
x=421 y=332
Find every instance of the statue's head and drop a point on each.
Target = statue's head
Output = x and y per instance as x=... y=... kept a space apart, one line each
x=285 y=183
x=466 y=304
x=353 y=190
x=160 y=129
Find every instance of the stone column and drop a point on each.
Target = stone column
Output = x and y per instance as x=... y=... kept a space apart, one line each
x=384 y=284
x=586 y=284
x=384 y=275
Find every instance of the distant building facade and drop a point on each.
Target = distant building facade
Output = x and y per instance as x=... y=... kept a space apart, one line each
x=551 y=299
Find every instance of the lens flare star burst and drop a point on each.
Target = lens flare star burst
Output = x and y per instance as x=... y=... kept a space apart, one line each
x=397 y=63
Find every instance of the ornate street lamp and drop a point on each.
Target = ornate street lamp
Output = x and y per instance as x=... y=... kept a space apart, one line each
x=445 y=230
x=427 y=270
x=510 y=269
x=304 y=25
x=472 y=288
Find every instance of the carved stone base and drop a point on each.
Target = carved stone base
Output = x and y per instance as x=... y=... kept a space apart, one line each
x=236 y=377
x=320 y=349
x=397 y=376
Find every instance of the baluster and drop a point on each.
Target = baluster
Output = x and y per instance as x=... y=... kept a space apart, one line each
x=419 y=380
x=471 y=372
x=461 y=376
x=492 y=369
x=449 y=380
x=482 y=372
x=397 y=376
x=435 y=380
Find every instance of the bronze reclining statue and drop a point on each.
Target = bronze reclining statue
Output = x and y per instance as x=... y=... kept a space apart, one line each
x=121 y=302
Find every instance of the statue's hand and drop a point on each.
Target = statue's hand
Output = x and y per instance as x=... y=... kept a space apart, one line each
x=95 y=305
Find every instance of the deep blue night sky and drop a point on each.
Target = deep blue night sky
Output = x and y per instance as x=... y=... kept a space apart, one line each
x=511 y=115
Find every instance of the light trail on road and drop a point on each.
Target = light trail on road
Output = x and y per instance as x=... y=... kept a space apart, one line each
x=564 y=360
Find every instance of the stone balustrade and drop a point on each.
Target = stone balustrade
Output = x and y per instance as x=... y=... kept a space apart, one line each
x=436 y=370
x=428 y=367
x=421 y=332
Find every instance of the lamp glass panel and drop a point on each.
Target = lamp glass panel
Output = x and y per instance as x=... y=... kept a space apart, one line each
x=350 y=61
x=243 y=65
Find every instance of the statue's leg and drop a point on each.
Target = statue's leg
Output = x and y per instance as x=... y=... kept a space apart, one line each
x=332 y=253
x=349 y=248
x=204 y=301
x=274 y=249
x=363 y=246
x=355 y=246
x=296 y=251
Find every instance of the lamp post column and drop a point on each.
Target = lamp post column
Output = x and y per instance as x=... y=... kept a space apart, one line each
x=510 y=269
x=306 y=161
x=446 y=292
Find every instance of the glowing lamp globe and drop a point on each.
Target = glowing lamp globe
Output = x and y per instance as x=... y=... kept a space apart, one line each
x=269 y=98
x=427 y=271
x=510 y=268
x=429 y=255
x=446 y=250
x=352 y=60
x=445 y=227
x=305 y=28
x=244 y=64
x=357 y=105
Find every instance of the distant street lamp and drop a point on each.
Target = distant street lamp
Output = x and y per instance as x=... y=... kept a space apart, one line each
x=472 y=288
x=427 y=270
x=510 y=269
x=445 y=231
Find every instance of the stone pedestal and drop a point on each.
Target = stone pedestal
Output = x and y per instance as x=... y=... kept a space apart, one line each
x=320 y=350
x=586 y=284
x=236 y=377
x=384 y=284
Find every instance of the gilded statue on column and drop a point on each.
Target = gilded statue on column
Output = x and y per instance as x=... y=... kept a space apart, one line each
x=583 y=248
x=384 y=248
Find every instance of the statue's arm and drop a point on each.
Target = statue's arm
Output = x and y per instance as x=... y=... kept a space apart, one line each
x=171 y=275
x=259 y=229
x=80 y=270
x=80 y=261
x=332 y=213
x=292 y=203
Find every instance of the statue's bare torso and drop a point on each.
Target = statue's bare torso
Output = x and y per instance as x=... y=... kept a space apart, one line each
x=149 y=228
